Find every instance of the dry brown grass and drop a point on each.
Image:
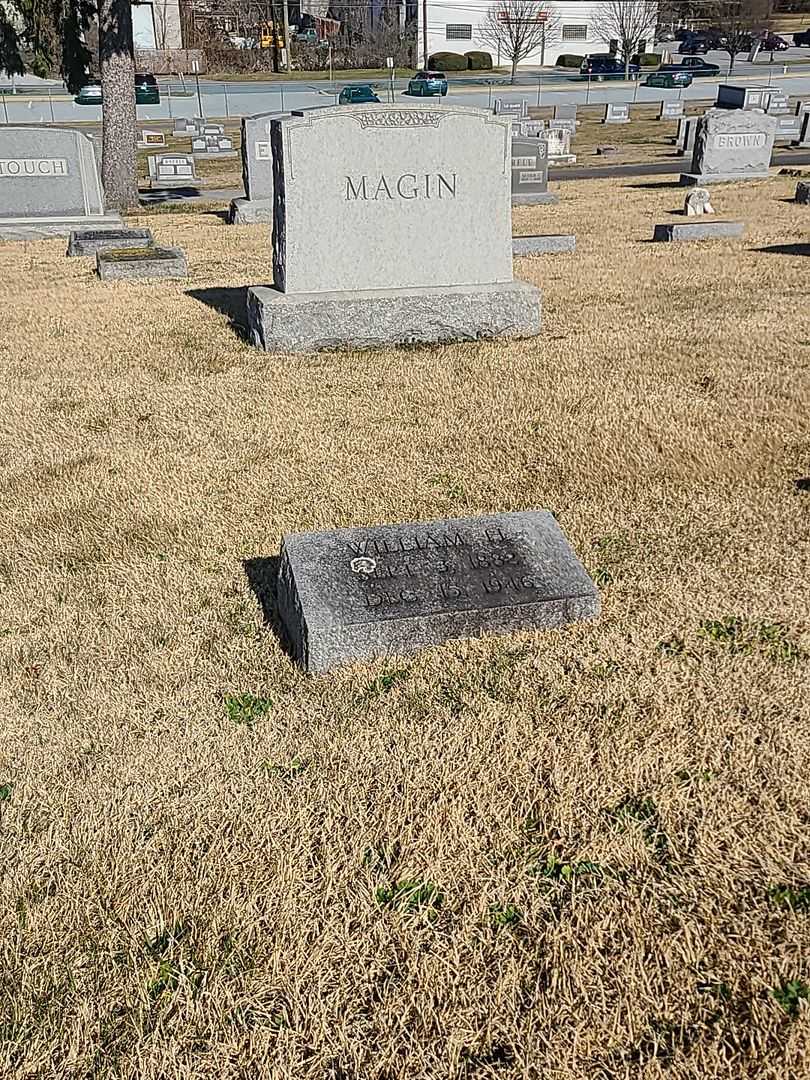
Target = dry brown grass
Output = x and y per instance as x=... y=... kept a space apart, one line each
x=197 y=840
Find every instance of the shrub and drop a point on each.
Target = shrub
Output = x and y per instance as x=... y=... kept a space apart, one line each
x=569 y=60
x=478 y=61
x=447 y=61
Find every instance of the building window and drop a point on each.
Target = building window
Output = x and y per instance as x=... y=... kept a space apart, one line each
x=459 y=32
x=576 y=32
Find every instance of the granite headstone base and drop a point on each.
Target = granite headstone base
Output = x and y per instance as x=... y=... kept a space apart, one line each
x=130 y=264
x=90 y=241
x=217 y=155
x=250 y=212
x=47 y=228
x=539 y=198
x=698 y=230
x=544 y=245
x=306 y=322
x=701 y=180
x=356 y=594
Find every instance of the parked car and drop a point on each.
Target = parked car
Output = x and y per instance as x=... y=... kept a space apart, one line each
x=802 y=38
x=606 y=67
x=694 y=65
x=697 y=43
x=773 y=43
x=668 y=78
x=428 y=83
x=147 y=92
x=360 y=94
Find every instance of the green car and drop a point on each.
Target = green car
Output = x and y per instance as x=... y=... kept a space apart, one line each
x=147 y=92
x=428 y=83
x=668 y=78
x=362 y=94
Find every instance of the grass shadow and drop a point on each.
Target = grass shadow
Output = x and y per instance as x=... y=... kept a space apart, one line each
x=262 y=574
x=786 y=249
x=802 y=484
x=668 y=184
x=230 y=301
x=158 y=196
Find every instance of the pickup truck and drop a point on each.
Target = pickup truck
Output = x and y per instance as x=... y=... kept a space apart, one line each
x=695 y=65
x=802 y=38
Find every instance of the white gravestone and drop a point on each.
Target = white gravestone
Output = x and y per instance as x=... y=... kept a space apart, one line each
x=697 y=203
x=731 y=144
x=257 y=172
x=392 y=223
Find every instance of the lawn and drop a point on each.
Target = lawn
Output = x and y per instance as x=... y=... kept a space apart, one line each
x=573 y=854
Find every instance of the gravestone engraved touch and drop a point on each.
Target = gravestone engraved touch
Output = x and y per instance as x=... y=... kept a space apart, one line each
x=49 y=183
x=355 y=594
x=698 y=230
x=172 y=170
x=90 y=241
x=257 y=172
x=129 y=264
x=670 y=110
x=733 y=144
x=617 y=113
x=530 y=172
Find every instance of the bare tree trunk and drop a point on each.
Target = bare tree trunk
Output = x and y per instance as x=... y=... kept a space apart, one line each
x=119 y=131
x=514 y=67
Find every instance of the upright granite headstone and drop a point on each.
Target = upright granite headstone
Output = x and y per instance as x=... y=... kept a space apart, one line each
x=518 y=109
x=559 y=146
x=802 y=107
x=788 y=128
x=804 y=135
x=172 y=171
x=687 y=130
x=565 y=112
x=257 y=172
x=731 y=145
x=350 y=595
x=392 y=223
x=617 y=113
x=530 y=172
x=49 y=183
x=730 y=96
x=778 y=103
x=150 y=140
x=670 y=110
x=212 y=146
x=569 y=125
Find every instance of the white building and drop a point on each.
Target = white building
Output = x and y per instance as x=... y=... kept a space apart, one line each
x=453 y=27
x=156 y=24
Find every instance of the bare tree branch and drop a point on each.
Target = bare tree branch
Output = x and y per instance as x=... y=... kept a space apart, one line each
x=516 y=29
x=628 y=22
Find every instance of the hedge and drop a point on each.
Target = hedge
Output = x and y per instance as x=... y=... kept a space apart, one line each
x=478 y=61
x=569 y=60
x=447 y=61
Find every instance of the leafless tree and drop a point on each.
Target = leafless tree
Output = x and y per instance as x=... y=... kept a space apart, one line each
x=628 y=22
x=737 y=23
x=516 y=29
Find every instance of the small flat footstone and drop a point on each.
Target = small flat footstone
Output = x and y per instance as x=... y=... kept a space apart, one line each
x=250 y=212
x=129 y=264
x=606 y=151
x=698 y=230
x=90 y=241
x=307 y=322
x=539 y=198
x=355 y=594
x=543 y=245
x=701 y=180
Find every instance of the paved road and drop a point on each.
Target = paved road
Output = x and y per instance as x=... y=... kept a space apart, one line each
x=224 y=100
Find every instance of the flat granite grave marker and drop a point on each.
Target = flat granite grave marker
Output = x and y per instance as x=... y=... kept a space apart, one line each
x=617 y=113
x=670 y=110
x=129 y=264
x=257 y=172
x=698 y=230
x=49 y=183
x=530 y=172
x=355 y=594
x=551 y=244
x=731 y=144
x=361 y=192
x=90 y=241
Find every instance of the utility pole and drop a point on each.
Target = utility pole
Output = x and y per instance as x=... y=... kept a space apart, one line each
x=287 y=45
